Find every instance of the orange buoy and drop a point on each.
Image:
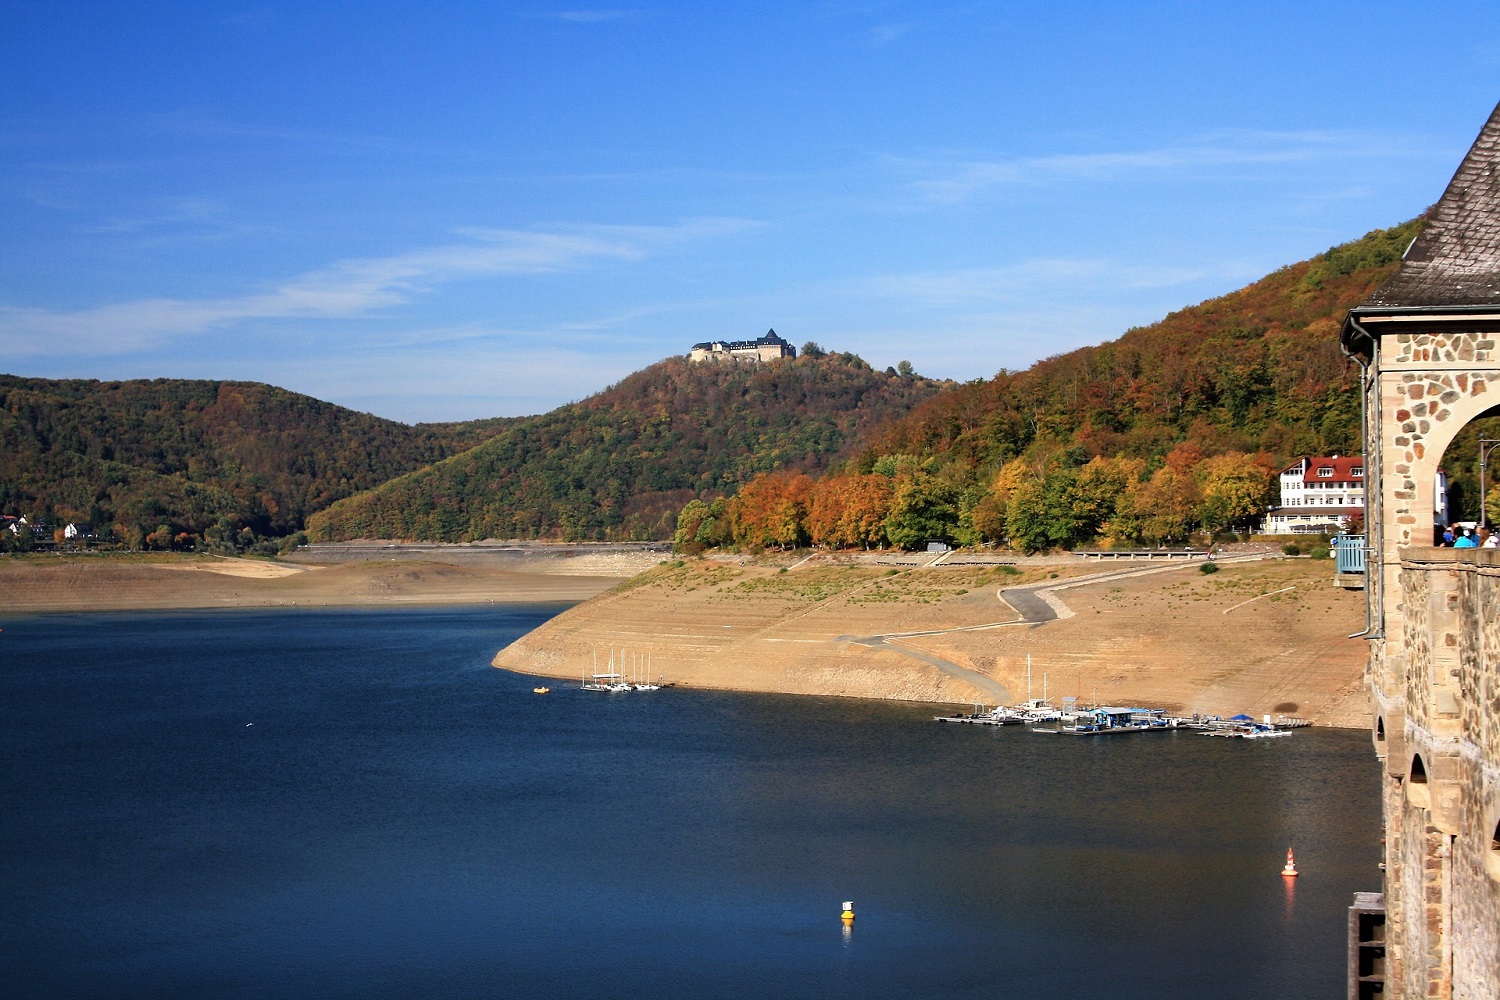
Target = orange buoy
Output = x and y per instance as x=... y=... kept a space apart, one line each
x=1290 y=870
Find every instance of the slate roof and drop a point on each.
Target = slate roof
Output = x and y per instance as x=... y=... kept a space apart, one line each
x=1456 y=259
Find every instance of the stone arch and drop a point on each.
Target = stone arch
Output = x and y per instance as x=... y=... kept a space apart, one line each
x=1432 y=408
x=1418 y=792
x=1477 y=425
x=1490 y=848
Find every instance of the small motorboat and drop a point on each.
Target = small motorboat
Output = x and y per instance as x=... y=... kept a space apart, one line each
x=541 y=690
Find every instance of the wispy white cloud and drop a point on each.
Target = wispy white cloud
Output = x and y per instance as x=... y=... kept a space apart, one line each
x=884 y=34
x=455 y=383
x=347 y=289
x=192 y=218
x=954 y=180
x=592 y=16
x=1026 y=281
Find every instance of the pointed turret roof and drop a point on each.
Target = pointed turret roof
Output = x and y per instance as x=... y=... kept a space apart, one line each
x=1455 y=261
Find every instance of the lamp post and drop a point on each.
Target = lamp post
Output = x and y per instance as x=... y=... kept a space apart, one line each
x=1485 y=446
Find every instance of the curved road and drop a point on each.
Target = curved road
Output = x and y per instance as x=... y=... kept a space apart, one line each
x=1029 y=604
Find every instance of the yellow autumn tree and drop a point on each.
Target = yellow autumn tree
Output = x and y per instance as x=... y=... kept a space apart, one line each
x=1236 y=488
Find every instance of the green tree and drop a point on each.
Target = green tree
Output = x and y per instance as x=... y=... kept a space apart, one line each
x=923 y=507
x=1026 y=520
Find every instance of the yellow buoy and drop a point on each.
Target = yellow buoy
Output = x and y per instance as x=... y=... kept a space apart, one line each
x=1290 y=871
x=848 y=913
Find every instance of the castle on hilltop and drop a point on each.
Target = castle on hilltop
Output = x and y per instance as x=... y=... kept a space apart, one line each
x=767 y=348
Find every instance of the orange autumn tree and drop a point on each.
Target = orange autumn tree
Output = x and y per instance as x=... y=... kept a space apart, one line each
x=988 y=514
x=849 y=510
x=771 y=510
x=1164 y=508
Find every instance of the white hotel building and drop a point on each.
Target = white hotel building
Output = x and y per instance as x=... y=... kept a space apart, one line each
x=1318 y=495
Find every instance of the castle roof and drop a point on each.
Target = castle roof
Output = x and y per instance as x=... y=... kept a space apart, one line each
x=770 y=339
x=1455 y=261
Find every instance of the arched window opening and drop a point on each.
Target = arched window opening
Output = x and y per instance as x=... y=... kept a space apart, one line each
x=1492 y=856
x=1418 y=771
x=1470 y=474
x=1380 y=729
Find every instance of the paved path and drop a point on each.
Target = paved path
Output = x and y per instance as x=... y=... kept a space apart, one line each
x=997 y=692
x=1029 y=604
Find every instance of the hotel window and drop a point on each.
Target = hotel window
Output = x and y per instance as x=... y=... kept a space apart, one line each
x=1325 y=473
x=1356 y=473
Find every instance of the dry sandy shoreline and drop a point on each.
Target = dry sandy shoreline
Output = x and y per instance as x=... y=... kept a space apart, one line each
x=1262 y=636
x=48 y=583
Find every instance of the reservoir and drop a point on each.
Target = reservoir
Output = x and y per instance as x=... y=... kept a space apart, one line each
x=353 y=803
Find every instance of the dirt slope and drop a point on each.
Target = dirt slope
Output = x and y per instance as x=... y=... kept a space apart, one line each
x=1259 y=637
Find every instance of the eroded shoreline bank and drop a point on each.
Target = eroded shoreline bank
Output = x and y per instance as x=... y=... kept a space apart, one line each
x=1263 y=637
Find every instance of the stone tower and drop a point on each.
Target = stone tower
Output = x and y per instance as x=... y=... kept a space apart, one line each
x=1426 y=342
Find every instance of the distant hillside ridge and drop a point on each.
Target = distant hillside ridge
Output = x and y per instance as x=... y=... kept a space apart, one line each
x=189 y=462
x=620 y=464
x=1256 y=370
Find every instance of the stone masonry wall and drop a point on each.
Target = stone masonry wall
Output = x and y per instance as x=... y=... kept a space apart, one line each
x=1442 y=859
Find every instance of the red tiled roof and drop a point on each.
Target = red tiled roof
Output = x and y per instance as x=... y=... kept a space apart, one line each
x=1343 y=470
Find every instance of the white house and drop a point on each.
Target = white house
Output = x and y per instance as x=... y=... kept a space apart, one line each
x=1318 y=496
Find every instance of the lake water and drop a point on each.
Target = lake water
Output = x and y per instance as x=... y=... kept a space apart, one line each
x=354 y=804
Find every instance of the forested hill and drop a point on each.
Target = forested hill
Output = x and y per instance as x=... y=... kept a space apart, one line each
x=621 y=463
x=224 y=463
x=1257 y=370
x=1174 y=430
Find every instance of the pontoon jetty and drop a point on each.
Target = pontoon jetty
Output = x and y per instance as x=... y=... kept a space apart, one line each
x=1074 y=720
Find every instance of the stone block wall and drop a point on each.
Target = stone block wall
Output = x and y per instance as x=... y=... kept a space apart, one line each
x=1442 y=806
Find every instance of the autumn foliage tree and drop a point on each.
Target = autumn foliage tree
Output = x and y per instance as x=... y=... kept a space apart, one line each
x=1236 y=488
x=850 y=511
x=771 y=510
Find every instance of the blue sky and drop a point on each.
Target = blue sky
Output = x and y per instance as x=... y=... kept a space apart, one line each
x=459 y=210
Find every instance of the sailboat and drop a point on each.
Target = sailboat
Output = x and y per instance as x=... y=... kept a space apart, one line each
x=644 y=684
x=607 y=681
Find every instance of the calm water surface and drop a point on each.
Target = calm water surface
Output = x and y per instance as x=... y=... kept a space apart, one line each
x=354 y=804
